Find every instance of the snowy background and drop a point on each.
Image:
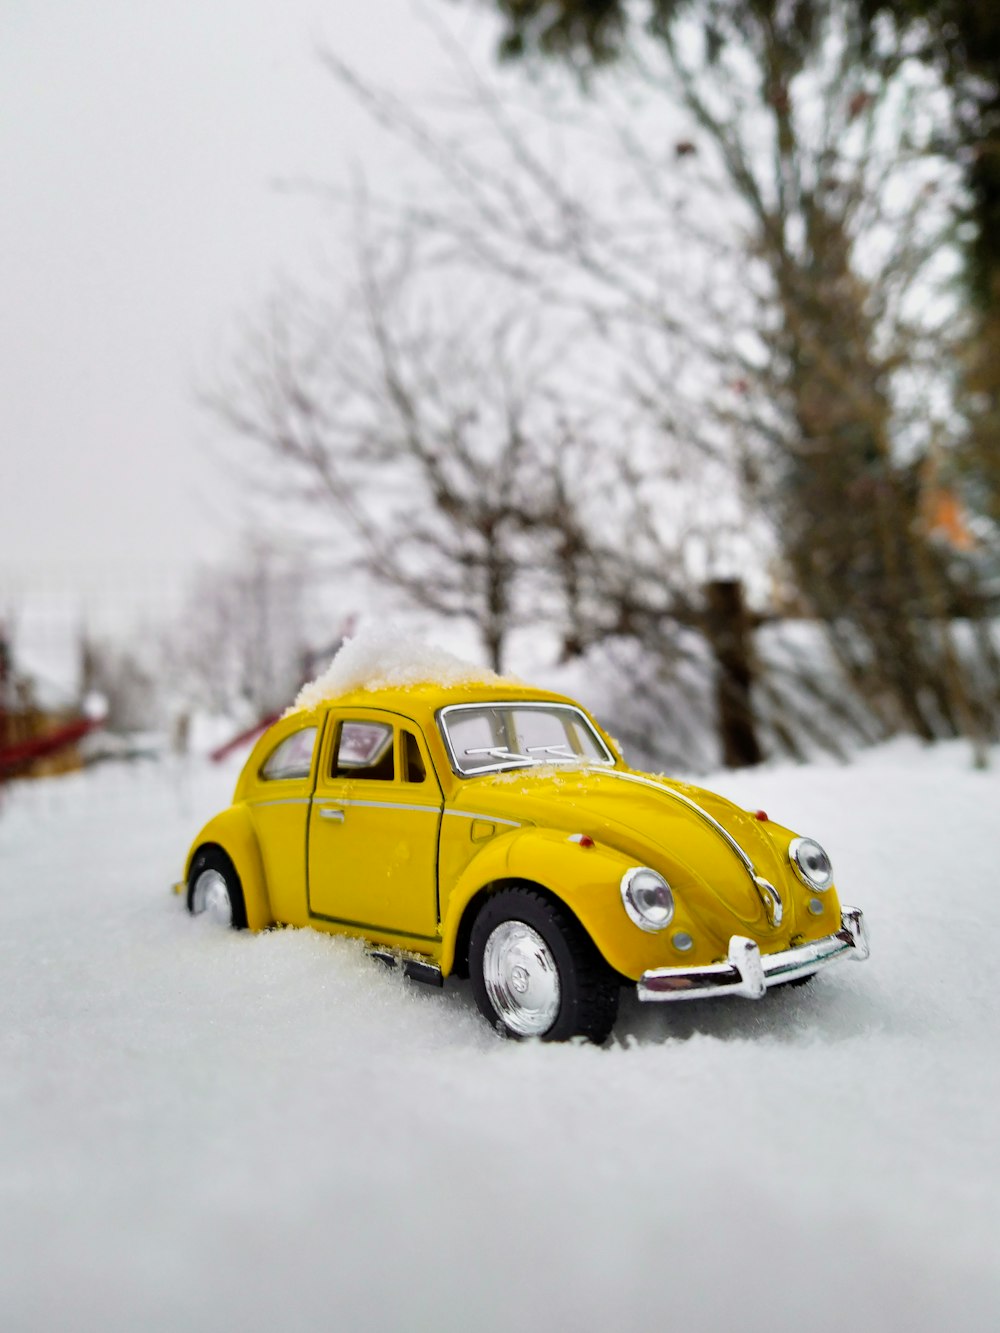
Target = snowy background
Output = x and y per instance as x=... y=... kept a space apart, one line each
x=202 y=1129
x=206 y=1130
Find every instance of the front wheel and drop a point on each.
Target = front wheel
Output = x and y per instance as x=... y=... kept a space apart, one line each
x=214 y=889
x=536 y=973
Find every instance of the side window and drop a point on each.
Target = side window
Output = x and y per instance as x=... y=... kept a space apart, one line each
x=364 y=750
x=413 y=764
x=292 y=758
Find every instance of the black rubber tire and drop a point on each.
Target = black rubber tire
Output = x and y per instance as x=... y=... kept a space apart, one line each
x=589 y=988
x=213 y=858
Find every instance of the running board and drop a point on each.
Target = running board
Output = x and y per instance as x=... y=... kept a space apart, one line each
x=412 y=967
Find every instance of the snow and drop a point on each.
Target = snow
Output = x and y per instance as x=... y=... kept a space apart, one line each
x=381 y=656
x=210 y=1130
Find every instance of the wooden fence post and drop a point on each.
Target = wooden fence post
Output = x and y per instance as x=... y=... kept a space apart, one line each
x=727 y=628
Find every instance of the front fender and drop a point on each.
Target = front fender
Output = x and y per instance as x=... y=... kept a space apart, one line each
x=233 y=831
x=585 y=878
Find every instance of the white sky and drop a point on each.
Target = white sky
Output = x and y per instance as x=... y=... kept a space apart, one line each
x=139 y=144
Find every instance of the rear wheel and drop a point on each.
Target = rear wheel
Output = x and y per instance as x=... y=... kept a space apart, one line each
x=536 y=973
x=214 y=889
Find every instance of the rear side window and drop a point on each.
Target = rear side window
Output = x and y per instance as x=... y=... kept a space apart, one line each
x=364 y=750
x=413 y=764
x=292 y=758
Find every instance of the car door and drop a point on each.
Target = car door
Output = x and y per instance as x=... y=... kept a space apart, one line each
x=279 y=807
x=373 y=831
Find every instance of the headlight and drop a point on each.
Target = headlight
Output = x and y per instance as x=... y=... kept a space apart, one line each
x=647 y=898
x=811 y=863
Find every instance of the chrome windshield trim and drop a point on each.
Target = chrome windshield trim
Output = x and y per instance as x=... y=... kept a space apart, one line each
x=768 y=894
x=511 y=766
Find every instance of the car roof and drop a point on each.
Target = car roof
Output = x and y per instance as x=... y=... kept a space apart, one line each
x=422 y=701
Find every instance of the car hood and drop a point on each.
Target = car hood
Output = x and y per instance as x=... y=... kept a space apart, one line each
x=662 y=823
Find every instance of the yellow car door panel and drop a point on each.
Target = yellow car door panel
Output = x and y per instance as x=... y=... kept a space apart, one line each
x=373 y=833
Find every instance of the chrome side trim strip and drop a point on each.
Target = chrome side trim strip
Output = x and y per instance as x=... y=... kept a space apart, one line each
x=396 y=805
x=488 y=819
x=290 y=800
x=378 y=805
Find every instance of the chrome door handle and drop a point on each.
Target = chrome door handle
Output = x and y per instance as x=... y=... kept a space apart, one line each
x=329 y=813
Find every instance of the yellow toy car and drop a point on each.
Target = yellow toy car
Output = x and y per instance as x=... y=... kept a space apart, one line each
x=494 y=831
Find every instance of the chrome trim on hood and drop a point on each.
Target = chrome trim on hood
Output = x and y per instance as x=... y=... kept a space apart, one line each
x=768 y=894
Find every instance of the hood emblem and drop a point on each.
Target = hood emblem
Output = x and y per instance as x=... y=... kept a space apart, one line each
x=771 y=899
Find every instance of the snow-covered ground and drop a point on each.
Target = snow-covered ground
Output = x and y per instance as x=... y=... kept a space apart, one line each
x=207 y=1130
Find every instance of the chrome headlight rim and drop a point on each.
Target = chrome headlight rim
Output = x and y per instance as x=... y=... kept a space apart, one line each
x=630 y=901
x=796 y=849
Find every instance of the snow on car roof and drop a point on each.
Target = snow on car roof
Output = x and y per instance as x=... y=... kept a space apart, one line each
x=382 y=657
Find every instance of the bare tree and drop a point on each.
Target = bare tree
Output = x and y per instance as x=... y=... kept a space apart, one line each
x=239 y=642
x=441 y=442
x=582 y=396
x=797 y=337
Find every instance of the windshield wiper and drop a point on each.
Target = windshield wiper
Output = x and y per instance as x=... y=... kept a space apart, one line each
x=561 y=751
x=504 y=756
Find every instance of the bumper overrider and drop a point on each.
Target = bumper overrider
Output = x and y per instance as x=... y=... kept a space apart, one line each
x=749 y=973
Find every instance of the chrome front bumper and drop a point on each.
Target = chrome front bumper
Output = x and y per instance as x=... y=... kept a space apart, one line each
x=749 y=973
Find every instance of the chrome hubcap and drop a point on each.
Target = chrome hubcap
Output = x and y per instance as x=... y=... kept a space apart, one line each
x=211 y=895
x=521 y=978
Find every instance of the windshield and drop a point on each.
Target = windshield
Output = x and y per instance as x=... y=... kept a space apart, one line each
x=485 y=738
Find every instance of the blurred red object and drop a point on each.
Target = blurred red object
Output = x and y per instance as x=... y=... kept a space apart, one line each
x=14 y=757
x=250 y=734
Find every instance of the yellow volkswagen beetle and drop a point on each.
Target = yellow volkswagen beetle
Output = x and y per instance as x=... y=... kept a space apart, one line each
x=494 y=831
